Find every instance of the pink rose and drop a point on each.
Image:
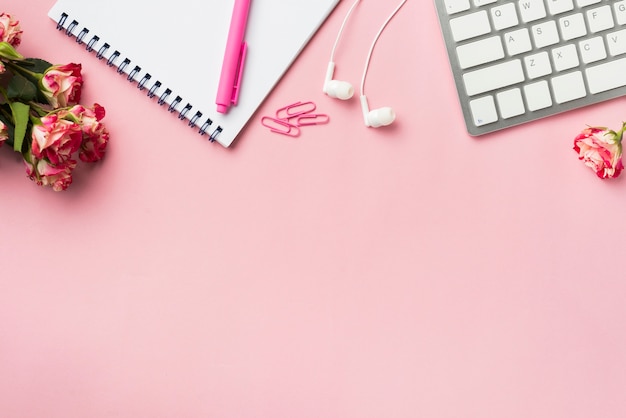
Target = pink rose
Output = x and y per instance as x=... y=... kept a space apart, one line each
x=55 y=139
x=601 y=150
x=95 y=135
x=4 y=133
x=58 y=176
x=10 y=31
x=61 y=84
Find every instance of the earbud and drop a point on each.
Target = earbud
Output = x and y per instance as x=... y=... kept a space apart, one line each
x=343 y=90
x=335 y=88
x=378 y=117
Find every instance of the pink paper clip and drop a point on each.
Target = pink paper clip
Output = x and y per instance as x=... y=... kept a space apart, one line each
x=294 y=110
x=280 y=126
x=316 y=119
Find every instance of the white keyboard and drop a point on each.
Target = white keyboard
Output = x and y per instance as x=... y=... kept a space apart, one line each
x=515 y=61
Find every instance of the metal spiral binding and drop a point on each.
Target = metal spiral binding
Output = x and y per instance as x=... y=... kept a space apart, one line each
x=103 y=49
x=91 y=43
x=164 y=96
x=153 y=89
x=115 y=55
x=141 y=84
x=81 y=35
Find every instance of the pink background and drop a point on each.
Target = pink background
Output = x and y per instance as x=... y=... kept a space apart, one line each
x=411 y=271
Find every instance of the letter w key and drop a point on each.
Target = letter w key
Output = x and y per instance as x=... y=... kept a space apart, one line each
x=532 y=10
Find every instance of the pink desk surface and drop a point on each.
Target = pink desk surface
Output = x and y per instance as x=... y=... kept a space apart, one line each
x=412 y=271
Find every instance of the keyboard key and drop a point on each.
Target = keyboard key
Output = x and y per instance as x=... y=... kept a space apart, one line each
x=470 y=26
x=510 y=103
x=494 y=77
x=617 y=42
x=600 y=19
x=565 y=57
x=583 y=3
x=484 y=111
x=592 y=50
x=517 y=42
x=538 y=65
x=568 y=87
x=608 y=76
x=479 y=3
x=538 y=95
x=456 y=6
x=480 y=52
x=560 y=6
x=545 y=34
x=573 y=26
x=504 y=16
x=532 y=10
x=620 y=12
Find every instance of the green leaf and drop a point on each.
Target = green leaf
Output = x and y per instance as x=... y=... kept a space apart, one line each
x=34 y=69
x=35 y=65
x=20 y=116
x=21 y=88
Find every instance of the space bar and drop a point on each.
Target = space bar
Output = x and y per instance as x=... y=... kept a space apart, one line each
x=494 y=77
x=607 y=76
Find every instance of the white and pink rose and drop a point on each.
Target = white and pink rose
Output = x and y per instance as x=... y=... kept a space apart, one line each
x=95 y=135
x=62 y=84
x=10 y=31
x=42 y=172
x=601 y=150
x=49 y=161
x=55 y=139
x=4 y=133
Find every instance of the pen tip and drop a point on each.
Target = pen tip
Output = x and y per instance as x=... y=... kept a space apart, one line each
x=221 y=108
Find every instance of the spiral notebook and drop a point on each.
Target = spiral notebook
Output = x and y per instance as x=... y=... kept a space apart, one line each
x=173 y=50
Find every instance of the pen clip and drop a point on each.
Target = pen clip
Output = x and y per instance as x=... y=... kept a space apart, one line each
x=280 y=126
x=239 y=76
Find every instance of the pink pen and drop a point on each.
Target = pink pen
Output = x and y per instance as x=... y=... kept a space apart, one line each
x=234 y=57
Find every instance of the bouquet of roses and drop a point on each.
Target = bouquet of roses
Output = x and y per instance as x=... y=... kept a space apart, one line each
x=40 y=114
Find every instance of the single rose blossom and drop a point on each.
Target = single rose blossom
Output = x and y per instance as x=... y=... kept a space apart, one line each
x=4 y=133
x=62 y=84
x=95 y=135
x=42 y=172
x=49 y=161
x=601 y=150
x=10 y=31
x=55 y=139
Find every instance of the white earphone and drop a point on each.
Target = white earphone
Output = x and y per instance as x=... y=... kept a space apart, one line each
x=343 y=90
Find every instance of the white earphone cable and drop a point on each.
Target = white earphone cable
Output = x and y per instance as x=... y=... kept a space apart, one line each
x=345 y=20
x=369 y=55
